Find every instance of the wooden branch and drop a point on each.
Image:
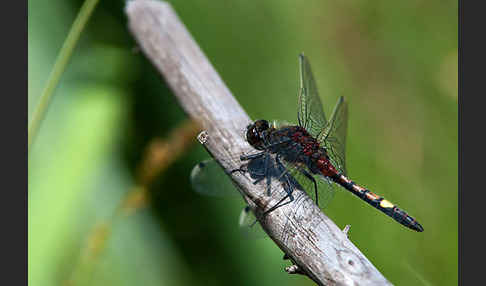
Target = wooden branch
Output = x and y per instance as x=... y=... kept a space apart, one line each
x=308 y=237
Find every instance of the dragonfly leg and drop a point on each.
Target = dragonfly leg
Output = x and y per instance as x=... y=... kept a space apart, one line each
x=252 y=156
x=240 y=169
x=288 y=188
x=258 y=180
x=244 y=168
x=280 y=204
x=260 y=168
x=267 y=175
x=310 y=177
x=282 y=171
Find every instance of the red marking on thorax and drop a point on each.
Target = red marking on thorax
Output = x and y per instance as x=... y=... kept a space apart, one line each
x=309 y=144
x=310 y=147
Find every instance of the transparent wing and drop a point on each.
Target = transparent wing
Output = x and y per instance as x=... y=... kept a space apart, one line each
x=208 y=178
x=249 y=225
x=310 y=114
x=334 y=136
x=296 y=175
x=325 y=187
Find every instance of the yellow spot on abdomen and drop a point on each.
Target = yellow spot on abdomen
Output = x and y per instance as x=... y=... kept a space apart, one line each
x=386 y=204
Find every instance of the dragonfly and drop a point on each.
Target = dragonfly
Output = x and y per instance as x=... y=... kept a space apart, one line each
x=309 y=155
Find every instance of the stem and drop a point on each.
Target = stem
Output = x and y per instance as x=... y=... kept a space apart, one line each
x=308 y=237
x=59 y=67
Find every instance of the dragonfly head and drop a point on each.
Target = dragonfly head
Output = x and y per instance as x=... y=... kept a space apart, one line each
x=255 y=134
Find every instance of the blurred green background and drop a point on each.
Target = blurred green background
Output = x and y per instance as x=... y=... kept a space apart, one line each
x=395 y=62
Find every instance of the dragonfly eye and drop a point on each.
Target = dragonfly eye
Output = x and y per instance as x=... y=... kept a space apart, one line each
x=254 y=134
x=261 y=125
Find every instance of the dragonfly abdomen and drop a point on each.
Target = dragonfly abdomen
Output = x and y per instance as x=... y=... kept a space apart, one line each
x=379 y=203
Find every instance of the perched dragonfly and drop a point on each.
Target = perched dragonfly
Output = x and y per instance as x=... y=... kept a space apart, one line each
x=309 y=155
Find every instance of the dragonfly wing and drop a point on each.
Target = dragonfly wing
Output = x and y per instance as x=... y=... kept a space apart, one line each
x=312 y=184
x=334 y=136
x=311 y=115
x=208 y=178
x=249 y=225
